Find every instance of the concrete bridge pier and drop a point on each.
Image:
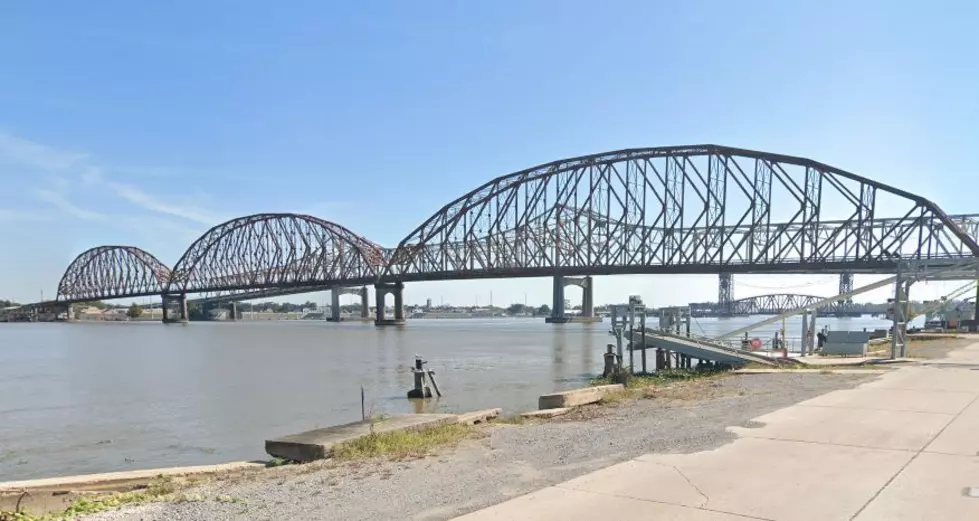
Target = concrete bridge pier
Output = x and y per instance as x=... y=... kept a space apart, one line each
x=587 y=286
x=233 y=312
x=381 y=291
x=557 y=304
x=180 y=303
x=365 y=309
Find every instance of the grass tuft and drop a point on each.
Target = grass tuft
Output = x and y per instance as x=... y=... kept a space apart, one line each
x=402 y=444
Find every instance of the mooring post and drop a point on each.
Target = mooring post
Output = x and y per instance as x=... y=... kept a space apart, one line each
x=610 y=365
x=421 y=390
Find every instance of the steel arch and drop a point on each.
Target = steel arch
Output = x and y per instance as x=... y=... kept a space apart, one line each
x=106 y=272
x=275 y=250
x=691 y=209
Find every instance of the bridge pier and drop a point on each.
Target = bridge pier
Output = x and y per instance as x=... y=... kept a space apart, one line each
x=558 y=315
x=335 y=302
x=181 y=311
x=233 y=312
x=381 y=291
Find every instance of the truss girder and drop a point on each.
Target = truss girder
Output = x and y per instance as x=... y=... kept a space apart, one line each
x=676 y=209
x=107 y=272
x=275 y=250
x=772 y=304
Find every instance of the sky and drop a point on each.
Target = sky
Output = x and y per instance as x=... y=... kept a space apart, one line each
x=145 y=124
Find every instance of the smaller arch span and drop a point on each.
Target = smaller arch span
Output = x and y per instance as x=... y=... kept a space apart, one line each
x=107 y=272
x=275 y=250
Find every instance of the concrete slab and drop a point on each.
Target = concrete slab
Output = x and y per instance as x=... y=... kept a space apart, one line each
x=849 y=360
x=472 y=418
x=929 y=379
x=933 y=486
x=547 y=413
x=942 y=402
x=897 y=430
x=829 y=370
x=317 y=444
x=644 y=480
x=960 y=436
x=576 y=397
x=808 y=481
x=561 y=504
x=108 y=480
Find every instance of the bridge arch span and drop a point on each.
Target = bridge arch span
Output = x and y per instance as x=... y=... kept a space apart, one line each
x=683 y=209
x=107 y=272
x=275 y=250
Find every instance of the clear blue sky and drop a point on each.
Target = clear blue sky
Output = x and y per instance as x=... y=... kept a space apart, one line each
x=145 y=123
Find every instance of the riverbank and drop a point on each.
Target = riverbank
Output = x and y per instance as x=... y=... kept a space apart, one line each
x=504 y=461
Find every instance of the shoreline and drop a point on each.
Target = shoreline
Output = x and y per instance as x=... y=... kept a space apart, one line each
x=506 y=459
x=503 y=460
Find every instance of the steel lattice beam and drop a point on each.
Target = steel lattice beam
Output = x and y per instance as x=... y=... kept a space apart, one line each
x=276 y=250
x=666 y=210
x=108 y=272
x=696 y=209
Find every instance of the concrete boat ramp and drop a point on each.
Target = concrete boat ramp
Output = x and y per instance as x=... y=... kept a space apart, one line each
x=701 y=349
x=318 y=444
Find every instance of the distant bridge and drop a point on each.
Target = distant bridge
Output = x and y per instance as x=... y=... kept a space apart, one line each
x=774 y=304
x=667 y=210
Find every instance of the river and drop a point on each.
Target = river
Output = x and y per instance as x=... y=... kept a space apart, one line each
x=95 y=397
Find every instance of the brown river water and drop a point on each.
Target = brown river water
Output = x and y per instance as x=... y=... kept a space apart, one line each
x=96 y=397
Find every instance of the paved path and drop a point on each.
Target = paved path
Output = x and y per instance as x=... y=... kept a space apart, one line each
x=902 y=447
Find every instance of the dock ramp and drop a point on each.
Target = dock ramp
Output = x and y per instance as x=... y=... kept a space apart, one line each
x=701 y=349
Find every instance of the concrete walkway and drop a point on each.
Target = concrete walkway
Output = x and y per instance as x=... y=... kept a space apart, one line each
x=902 y=447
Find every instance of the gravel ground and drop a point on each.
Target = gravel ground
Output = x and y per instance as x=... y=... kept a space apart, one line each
x=509 y=461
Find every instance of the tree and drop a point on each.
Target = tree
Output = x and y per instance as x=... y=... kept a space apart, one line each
x=134 y=311
x=516 y=309
x=310 y=305
x=544 y=310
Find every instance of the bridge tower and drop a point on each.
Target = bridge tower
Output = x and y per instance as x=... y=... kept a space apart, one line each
x=844 y=307
x=587 y=286
x=381 y=291
x=725 y=294
x=180 y=303
x=335 y=293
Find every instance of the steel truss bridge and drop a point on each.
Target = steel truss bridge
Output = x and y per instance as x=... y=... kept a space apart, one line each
x=667 y=210
x=763 y=305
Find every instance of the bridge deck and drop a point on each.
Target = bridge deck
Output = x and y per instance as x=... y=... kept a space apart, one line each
x=701 y=349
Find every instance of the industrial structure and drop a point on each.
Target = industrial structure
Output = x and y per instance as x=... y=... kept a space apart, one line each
x=702 y=209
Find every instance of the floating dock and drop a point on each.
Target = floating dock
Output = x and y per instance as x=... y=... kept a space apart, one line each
x=700 y=349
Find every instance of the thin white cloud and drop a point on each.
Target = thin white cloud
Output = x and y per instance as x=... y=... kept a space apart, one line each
x=61 y=202
x=140 y=198
x=15 y=150
x=24 y=152
x=23 y=216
